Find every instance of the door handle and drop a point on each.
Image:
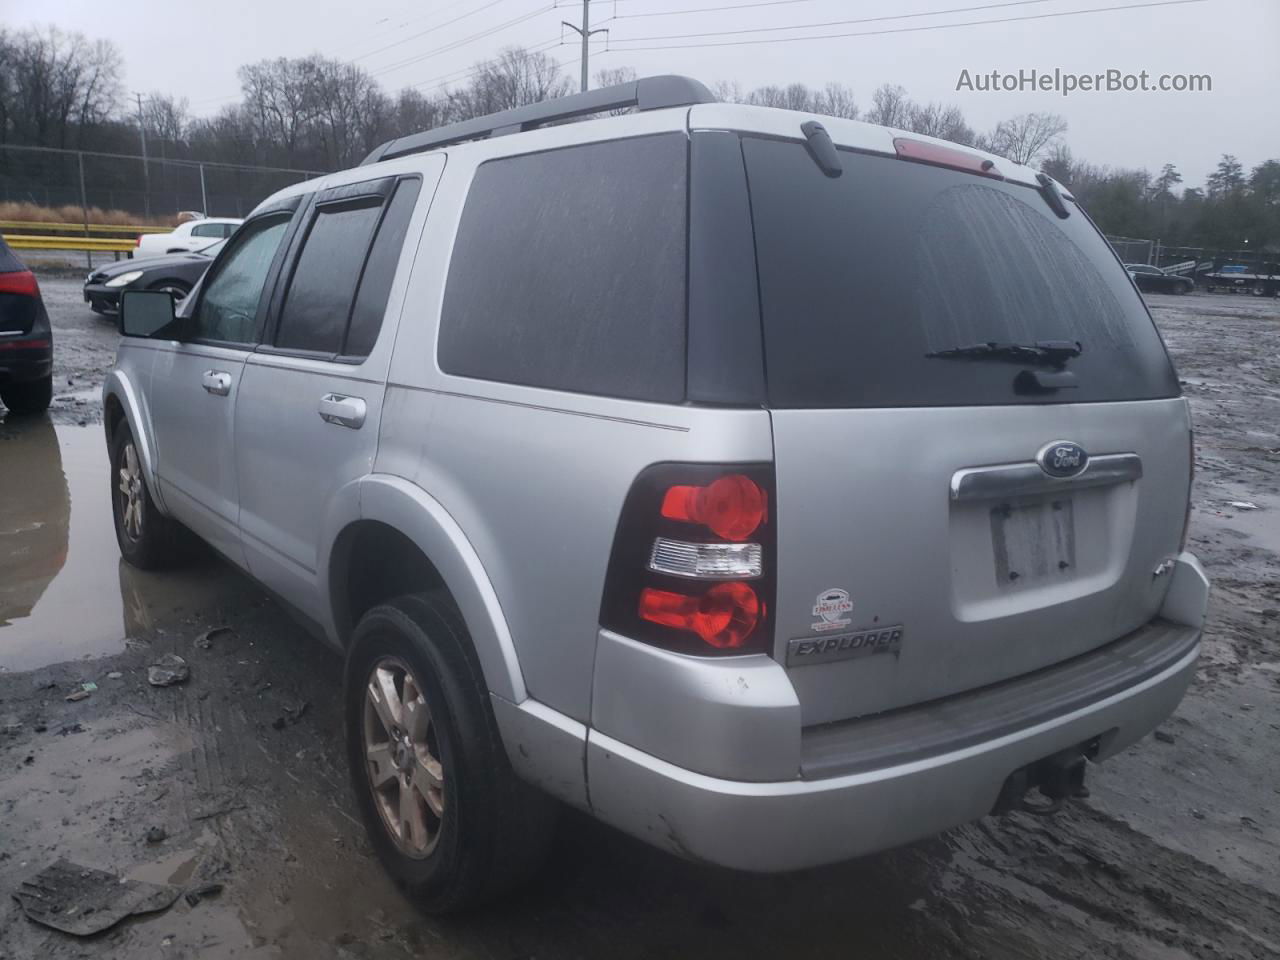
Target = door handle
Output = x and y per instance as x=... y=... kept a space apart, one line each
x=217 y=382
x=343 y=411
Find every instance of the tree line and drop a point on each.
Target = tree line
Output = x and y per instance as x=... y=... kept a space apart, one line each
x=317 y=113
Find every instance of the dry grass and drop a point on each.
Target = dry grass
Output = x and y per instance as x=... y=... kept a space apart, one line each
x=73 y=214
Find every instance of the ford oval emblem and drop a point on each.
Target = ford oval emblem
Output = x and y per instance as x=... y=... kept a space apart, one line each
x=1062 y=458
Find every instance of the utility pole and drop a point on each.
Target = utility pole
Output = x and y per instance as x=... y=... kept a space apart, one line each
x=146 y=171
x=586 y=33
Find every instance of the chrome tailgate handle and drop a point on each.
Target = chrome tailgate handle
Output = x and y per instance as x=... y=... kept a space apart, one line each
x=217 y=382
x=342 y=410
x=1027 y=479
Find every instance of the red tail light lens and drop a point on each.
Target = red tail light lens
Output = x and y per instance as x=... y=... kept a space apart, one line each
x=21 y=282
x=724 y=616
x=924 y=152
x=732 y=507
x=693 y=562
x=138 y=242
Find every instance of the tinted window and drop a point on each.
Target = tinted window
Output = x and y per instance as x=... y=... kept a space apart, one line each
x=864 y=275
x=380 y=270
x=568 y=271
x=229 y=306
x=208 y=230
x=323 y=286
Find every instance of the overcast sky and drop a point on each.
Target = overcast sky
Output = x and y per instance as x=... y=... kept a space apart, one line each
x=193 y=50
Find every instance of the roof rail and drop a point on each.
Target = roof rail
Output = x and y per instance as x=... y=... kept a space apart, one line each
x=651 y=93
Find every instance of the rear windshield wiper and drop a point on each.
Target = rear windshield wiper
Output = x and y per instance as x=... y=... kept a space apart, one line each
x=1052 y=352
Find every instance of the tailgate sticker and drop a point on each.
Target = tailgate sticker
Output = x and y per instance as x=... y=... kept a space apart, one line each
x=846 y=646
x=829 y=607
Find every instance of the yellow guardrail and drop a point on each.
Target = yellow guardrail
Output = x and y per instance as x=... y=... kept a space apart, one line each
x=36 y=242
x=60 y=227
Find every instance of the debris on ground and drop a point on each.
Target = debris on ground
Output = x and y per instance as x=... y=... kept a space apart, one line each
x=205 y=640
x=196 y=894
x=114 y=675
x=157 y=835
x=1242 y=505
x=82 y=901
x=168 y=670
x=291 y=715
x=69 y=728
x=75 y=695
x=1164 y=736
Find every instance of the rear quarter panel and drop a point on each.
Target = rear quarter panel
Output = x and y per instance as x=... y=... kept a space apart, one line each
x=535 y=478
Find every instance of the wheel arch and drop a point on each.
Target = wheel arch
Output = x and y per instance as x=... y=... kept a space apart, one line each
x=122 y=403
x=403 y=539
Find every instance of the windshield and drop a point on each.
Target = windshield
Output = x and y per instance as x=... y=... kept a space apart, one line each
x=867 y=278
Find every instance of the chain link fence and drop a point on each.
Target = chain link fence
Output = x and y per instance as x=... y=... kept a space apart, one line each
x=150 y=189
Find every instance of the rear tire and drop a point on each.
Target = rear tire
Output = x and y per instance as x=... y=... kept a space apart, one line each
x=148 y=539
x=30 y=398
x=465 y=830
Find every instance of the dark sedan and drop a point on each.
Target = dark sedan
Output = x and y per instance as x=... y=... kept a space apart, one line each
x=1154 y=280
x=26 y=342
x=177 y=273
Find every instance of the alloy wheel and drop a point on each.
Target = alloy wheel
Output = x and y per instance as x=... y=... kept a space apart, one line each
x=132 y=493
x=402 y=757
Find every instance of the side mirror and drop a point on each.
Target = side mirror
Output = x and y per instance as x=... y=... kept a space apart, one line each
x=147 y=313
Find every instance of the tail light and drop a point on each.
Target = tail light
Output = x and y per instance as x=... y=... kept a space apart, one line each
x=138 y=241
x=20 y=282
x=1191 y=482
x=692 y=568
x=922 y=151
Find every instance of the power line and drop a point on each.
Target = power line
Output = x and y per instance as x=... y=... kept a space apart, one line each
x=828 y=23
x=434 y=27
x=889 y=30
x=404 y=23
x=462 y=41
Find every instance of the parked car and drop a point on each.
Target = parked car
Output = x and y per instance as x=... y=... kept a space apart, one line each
x=1154 y=280
x=185 y=238
x=527 y=472
x=26 y=341
x=175 y=274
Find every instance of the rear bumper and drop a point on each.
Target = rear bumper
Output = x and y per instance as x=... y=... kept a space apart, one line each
x=903 y=794
x=20 y=363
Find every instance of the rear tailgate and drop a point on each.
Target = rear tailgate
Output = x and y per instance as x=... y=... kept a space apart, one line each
x=922 y=549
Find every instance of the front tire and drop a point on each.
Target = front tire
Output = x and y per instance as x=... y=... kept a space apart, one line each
x=148 y=539
x=30 y=398
x=446 y=814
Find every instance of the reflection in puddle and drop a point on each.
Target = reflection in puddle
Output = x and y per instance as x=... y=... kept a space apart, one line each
x=64 y=591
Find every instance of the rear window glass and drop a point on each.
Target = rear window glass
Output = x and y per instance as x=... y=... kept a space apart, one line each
x=568 y=271
x=314 y=316
x=863 y=276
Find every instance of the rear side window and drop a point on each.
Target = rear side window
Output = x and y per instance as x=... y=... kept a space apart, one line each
x=323 y=286
x=568 y=271
x=208 y=230
x=380 y=270
x=863 y=276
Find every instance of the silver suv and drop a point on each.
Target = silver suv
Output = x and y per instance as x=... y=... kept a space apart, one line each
x=775 y=490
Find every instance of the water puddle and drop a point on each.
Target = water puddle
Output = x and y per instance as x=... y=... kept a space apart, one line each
x=64 y=591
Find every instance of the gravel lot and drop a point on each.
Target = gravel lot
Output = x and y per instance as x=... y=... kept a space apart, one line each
x=1176 y=854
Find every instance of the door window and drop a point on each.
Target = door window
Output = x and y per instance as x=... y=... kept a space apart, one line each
x=207 y=230
x=228 y=309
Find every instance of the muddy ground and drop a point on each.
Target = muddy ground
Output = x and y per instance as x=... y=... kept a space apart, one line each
x=1176 y=854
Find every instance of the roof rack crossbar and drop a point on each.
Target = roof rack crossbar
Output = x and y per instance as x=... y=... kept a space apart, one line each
x=651 y=93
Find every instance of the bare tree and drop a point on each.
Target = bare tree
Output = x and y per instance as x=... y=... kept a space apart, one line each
x=55 y=86
x=166 y=117
x=516 y=77
x=728 y=91
x=889 y=106
x=836 y=100
x=1025 y=138
x=938 y=120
